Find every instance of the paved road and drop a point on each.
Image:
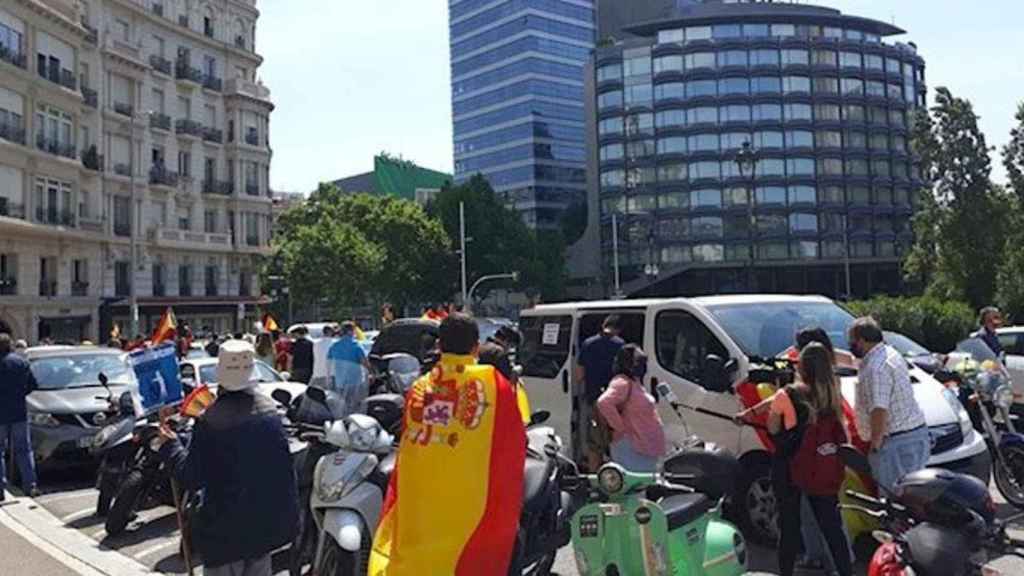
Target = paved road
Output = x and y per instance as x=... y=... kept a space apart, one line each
x=152 y=539
x=22 y=557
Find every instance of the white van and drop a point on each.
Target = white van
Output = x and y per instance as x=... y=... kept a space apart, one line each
x=678 y=335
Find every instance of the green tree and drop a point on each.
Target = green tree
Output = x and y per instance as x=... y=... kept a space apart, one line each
x=1009 y=284
x=412 y=262
x=960 y=237
x=501 y=242
x=1013 y=155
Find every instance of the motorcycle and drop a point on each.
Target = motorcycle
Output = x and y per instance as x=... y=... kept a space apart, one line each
x=147 y=481
x=112 y=445
x=975 y=375
x=926 y=549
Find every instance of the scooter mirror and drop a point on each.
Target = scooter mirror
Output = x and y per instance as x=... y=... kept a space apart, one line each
x=855 y=459
x=126 y=403
x=103 y=379
x=283 y=397
x=539 y=417
x=316 y=394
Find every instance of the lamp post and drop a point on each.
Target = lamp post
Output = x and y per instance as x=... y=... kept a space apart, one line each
x=615 y=254
x=513 y=276
x=746 y=162
x=651 y=268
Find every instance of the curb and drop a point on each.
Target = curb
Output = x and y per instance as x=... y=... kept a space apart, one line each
x=70 y=547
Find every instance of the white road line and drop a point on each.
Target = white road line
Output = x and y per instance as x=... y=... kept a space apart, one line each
x=173 y=543
x=69 y=518
x=52 y=498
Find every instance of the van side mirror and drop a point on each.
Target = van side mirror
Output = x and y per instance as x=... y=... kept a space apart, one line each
x=716 y=375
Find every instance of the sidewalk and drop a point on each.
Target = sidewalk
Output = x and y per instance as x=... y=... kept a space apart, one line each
x=21 y=557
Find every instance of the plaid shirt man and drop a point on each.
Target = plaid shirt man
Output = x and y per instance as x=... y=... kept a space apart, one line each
x=884 y=382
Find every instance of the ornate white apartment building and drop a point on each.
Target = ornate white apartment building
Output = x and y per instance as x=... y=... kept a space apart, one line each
x=134 y=160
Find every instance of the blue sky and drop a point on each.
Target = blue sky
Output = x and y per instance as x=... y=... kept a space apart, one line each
x=351 y=78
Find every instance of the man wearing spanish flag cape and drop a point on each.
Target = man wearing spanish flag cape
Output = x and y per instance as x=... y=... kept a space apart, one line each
x=454 y=499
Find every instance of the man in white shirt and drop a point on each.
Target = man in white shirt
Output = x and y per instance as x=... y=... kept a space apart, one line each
x=888 y=416
x=321 y=364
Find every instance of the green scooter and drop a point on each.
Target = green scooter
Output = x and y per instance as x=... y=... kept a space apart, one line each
x=663 y=524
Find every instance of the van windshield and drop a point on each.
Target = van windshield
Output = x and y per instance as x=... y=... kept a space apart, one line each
x=765 y=329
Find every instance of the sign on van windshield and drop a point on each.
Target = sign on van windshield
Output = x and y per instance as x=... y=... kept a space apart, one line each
x=550 y=336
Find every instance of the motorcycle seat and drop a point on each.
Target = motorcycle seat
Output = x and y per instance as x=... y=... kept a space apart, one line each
x=536 y=475
x=682 y=509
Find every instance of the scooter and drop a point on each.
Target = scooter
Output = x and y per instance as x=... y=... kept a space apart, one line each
x=112 y=445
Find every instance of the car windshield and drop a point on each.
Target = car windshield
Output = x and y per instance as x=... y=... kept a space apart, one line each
x=765 y=329
x=81 y=371
x=208 y=374
x=904 y=345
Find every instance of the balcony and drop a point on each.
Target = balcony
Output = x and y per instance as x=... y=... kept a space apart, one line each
x=211 y=82
x=252 y=138
x=60 y=76
x=219 y=187
x=124 y=109
x=55 y=217
x=123 y=169
x=92 y=160
x=12 y=133
x=240 y=42
x=161 y=176
x=188 y=128
x=8 y=286
x=182 y=71
x=242 y=87
x=91 y=224
x=213 y=135
x=122 y=229
x=11 y=57
x=189 y=240
x=91 y=97
x=158 y=9
x=79 y=288
x=183 y=20
x=47 y=287
x=93 y=35
x=11 y=210
x=160 y=122
x=160 y=64
x=252 y=189
x=55 y=147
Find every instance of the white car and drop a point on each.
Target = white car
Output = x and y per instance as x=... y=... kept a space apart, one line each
x=316 y=329
x=199 y=371
x=1012 y=339
x=689 y=343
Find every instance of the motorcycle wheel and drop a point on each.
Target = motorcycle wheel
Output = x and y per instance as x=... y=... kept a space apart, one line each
x=108 y=487
x=125 y=503
x=754 y=506
x=338 y=562
x=1010 y=477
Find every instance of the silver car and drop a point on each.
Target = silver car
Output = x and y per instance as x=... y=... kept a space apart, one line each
x=71 y=405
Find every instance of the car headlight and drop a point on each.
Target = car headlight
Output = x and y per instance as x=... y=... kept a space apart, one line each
x=958 y=408
x=43 y=419
x=1003 y=397
x=610 y=479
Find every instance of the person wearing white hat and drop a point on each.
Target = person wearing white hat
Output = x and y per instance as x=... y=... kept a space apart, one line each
x=239 y=455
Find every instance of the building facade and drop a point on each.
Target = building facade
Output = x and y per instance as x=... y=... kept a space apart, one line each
x=517 y=100
x=134 y=160
x=825 y=103
x=399 y=178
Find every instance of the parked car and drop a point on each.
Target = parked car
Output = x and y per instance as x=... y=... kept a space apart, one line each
x=489 y=326
x=1012 y=339
x=71 y=406
x=413 y=336
x=915 y=353
x=705 y=349
x=316 y=329
x=197 y=372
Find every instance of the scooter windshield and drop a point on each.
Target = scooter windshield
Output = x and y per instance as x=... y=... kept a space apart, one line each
x=975 y=361
x=349 y=388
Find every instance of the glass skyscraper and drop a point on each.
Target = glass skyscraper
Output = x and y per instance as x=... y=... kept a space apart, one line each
x=517 y=100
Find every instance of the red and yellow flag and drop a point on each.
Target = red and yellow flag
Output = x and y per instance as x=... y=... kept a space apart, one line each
x=166 y=329
x=454 y=498
x=269 y=324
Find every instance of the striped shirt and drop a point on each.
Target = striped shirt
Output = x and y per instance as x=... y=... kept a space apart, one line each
x=884 y=382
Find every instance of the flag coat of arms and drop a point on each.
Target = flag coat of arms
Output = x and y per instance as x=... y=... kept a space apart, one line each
x=454 y=499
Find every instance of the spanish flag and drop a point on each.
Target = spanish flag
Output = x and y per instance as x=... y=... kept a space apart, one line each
x=454 y=498
x=269 y=324
x=166 y=329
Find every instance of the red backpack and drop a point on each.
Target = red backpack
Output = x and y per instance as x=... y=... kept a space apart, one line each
x=816 y=467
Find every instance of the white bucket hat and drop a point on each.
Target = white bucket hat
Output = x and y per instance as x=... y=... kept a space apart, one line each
x=236 y=366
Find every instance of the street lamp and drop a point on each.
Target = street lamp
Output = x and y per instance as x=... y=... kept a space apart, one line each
x=651 y=268
x=136 y=216
x=513 y=276
x=746 y=162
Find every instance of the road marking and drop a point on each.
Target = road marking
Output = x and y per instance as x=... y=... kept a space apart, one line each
x=153 y=549
x=69 y=518
x=53 y=498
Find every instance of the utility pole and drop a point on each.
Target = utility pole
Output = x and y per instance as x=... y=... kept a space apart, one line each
x=462 y=250
x=615 y=253
x=133 y=301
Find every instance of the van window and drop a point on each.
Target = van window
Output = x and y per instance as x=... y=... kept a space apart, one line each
x=545 y=346
x=632 y=326
x=1012 y=343
x=683 y=342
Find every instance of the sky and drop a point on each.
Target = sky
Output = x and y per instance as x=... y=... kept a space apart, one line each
x=352 y=78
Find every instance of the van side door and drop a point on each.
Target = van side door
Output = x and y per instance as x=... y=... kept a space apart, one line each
x=547 y=357
x=682 y=340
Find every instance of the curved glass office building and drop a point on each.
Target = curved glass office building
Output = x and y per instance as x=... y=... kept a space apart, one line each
x=825 y=103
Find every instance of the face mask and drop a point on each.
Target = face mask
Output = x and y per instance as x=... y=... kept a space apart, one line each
x=640 y=369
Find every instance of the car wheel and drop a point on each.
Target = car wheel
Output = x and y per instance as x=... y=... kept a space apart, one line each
x=755 y=506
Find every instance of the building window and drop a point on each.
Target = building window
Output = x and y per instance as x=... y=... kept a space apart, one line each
x=668 y=118
x=211 y=280
x=830 y=167
x=702 y=115
x=734 y=140
x=672 y=145
x=873 y=62
x=806 y=223
x=764 y=58
x=728 y=86
x=828 y=139
x=612 y=152
x=609 y=99
x=610 y=126
x=771 y=167
x=826 y=112
x=695 y=33
x=637 y=65
x=159 y=285
x=670 y=91
x=798 y=112
x=703 y=143
x=735 y=113
x=766 y=112
x=800 y=166
x=767 y=139
x=853 y=87
x=184 y=280
x=122 y=278
x=796 y=84
x=850 y=60
x=670 y=36
x=122 y=216
x=732 y=58
x=672 y=172
x=638 y=95
x=795 y=58
x=824 y=58
x=853 y=113
x=856 y=167
x=826 y=85
x=765 y=85
x=802 y=195
x=700 y=60
x=641 y=123
x=702 y=170
x=799 y=139
x=710 y=198
x=673 y=63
